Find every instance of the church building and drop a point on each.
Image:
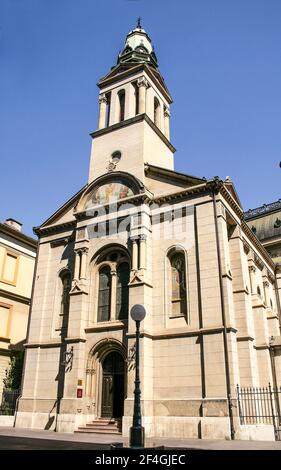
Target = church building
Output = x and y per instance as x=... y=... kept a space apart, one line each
x=140 y=232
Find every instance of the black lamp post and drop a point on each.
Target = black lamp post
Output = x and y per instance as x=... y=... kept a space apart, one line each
x=137 y=430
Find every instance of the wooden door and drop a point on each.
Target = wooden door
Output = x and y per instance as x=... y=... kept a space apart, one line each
x=107 y=396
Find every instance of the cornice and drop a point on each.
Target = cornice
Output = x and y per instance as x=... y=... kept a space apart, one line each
x=16 y=297
x=55 y=228
x=15 y=234
x=132 y=70
x=183 y=333
x=129 y=122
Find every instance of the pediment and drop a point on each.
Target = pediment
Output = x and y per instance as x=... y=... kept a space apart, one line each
x=65 y=213
x=231 y=189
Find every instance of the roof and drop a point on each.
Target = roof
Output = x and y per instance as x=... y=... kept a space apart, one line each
x=16 y=234
x=265 y=221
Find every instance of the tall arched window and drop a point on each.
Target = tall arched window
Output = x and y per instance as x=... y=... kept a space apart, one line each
x=122 y=291
x=64 y=303
x=104 y=294
x=156 y=112
x=121 y=96
x=178 y=294
x=113 y=290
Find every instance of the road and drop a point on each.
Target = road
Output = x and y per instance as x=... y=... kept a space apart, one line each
x=27 y=443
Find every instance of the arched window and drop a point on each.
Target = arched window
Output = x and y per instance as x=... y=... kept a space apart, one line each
x=64 y=303
x=122 y=292
x=178 y=284
x=121 y=96
x=156 y=112
x=104 y=294
x=113 y=286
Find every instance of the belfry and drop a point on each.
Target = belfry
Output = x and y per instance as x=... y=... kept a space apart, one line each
x=140 y=232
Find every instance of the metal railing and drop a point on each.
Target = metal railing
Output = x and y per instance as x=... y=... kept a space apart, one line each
x=260 y=405
x=9 y=401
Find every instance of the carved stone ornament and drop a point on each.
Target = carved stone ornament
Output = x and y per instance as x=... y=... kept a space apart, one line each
x=135 y=278
x=111 y=166
x=102 y=98
x=75 y=287
x=142 y=82
x=167 y=112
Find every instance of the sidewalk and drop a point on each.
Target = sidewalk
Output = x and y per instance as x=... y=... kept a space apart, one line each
x=171 y=443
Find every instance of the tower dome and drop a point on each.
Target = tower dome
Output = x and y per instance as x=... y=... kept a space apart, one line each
x=138 y=48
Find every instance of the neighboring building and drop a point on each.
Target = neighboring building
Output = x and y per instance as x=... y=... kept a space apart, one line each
x=17 y=259
x=265 y=223
x=140 y=232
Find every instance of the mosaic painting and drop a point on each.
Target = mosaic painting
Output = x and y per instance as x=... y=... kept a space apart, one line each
x=109 y=193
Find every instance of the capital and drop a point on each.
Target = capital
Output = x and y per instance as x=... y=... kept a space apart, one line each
x=142 y=82
x=102 y=98
x=167 y=112
x=252 y=269
x=142 y=237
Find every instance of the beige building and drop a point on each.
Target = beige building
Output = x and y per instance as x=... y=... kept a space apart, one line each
x=17 y=259
x=140 y=232
x=265 y=222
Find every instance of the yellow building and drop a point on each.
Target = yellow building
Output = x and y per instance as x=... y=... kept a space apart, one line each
x=17 y=259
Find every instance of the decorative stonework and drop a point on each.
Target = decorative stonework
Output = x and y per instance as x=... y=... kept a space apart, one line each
x=142 y=82
x=102 y=98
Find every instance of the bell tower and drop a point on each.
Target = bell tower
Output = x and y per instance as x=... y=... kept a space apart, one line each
x=134 y=113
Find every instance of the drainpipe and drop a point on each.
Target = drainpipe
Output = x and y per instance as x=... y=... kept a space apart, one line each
x=215 y=191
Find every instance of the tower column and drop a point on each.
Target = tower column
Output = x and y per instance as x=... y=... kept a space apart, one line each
x=102 y=112
x=143 y=85
x=167 y=123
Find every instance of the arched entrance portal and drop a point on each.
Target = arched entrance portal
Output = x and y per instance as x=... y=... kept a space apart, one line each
x=112 y=405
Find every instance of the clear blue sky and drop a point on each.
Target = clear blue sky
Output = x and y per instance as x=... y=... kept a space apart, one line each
x=222 y=64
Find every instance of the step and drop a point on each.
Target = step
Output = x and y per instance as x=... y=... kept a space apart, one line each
x=96 y=431
x=99 y=423
x=101 y=428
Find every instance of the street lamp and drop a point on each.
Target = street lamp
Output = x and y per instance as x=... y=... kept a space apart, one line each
x=137 y=431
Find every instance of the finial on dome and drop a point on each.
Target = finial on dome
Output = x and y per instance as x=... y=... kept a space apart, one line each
x=139 y=23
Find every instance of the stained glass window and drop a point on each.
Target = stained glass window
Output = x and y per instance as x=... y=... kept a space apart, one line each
x=122 y=294
x=64 y=307
x=104 y=294
x=178 y=284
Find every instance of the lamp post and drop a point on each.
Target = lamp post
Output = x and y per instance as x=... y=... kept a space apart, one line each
x=137 y=430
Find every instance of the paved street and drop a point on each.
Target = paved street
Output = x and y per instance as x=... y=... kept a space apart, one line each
x=25 y=439
x=31 y=443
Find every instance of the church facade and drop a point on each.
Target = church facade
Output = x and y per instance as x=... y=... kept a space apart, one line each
x=141 y=233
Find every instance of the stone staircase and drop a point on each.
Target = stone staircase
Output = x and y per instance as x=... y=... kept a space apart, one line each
x=102 y=426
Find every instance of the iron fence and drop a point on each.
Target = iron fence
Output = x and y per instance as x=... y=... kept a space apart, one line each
x=260 y=405
x=9 y=401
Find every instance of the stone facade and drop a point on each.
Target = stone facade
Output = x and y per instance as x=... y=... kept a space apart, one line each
x=139 y=232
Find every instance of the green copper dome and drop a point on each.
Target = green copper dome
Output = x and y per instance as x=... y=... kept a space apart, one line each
x=138 y=48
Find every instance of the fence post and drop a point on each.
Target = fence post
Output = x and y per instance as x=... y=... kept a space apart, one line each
x=239 y=405
x=272 y=411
